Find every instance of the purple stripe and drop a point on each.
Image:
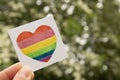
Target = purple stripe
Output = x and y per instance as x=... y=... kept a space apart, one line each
x=46 y=58
x=35 y=38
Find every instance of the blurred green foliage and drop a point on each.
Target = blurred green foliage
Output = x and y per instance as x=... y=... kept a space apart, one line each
x=90 y=30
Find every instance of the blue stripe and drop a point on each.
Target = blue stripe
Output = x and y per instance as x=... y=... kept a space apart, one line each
x=44 y=55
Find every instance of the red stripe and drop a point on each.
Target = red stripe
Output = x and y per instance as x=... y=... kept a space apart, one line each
x=42 y=29
x=24 y=35
x=27 y=34
x=35 y=38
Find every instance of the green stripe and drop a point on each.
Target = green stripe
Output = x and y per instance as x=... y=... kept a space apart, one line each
x=42 y=51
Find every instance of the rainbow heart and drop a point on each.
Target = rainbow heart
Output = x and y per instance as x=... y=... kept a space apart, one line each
x=39 y=45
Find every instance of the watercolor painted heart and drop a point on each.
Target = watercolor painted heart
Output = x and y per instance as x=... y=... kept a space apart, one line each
x=39 y=45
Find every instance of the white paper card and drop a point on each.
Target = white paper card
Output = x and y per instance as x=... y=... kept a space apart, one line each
x=38 y=43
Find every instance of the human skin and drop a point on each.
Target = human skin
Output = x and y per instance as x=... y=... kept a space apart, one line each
x=17 y=72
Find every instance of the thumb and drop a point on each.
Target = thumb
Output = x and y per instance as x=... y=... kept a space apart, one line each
x=24 y=74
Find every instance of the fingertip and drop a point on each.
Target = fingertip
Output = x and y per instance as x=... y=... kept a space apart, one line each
x=29 y=71
x=10 y=72
x=25 y=73
x=18 y=65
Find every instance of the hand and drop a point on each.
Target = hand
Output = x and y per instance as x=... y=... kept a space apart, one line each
x=17 y=72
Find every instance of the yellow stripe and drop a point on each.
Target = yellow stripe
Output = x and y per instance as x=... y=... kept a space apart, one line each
x=39 y=45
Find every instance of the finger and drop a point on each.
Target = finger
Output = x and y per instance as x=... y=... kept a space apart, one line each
x=24 y=74
x=10 y=72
